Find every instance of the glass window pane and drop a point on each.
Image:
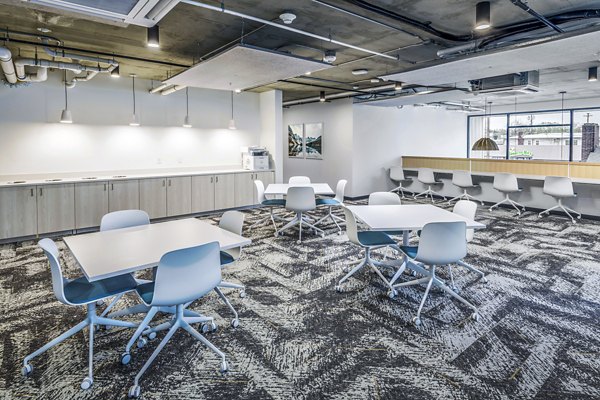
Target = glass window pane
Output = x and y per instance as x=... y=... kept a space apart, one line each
x=583 y=147
x=539 y=143
x=543 y=118
x=478 y=126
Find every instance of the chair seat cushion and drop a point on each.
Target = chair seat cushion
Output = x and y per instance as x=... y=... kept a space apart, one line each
x=226 y=258
x=394 y=233
x=410 y=251
x=273 y=202
x=81 y=291
x=328 y=202
x=146 y=292
x=373 y=238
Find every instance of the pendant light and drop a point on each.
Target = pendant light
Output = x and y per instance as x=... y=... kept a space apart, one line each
x=486 y=143
x=232 y=121
x=186 y=120
x=115 y=73
x=322 y=96
x=482 y=16
x=152 y=36
x=135 y=121
x=65 y=115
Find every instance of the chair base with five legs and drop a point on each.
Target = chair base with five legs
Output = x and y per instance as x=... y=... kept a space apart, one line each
x=465 y=196
x=566 y=210
x=429 y=193
x=513 y=203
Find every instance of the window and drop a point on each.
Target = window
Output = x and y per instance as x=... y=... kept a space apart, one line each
x=496 y=126
x=548 y=132
x=582 y=147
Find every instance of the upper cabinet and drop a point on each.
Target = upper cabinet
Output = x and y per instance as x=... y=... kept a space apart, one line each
x=18 y=211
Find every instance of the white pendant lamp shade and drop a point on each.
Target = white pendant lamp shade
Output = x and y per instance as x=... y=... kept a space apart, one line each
x=135 y=119
x=186 y=120
x=65 y=117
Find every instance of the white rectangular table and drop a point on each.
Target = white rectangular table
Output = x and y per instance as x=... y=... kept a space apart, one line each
x=116 y=252
x=282 y=188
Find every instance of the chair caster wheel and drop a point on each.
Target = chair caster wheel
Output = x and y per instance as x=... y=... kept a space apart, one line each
x=87 y=383
x=455 y=289
x=134 y=392
x=27 y=370
x=235 y=323
x=152 y=335
x=213 y=327
x=204 y=328
x=224 y=367
x=338 y=289
x=99 y=302
x=491 y=209
x=484 y=279
x=299 y=241
x=579 y=217
x=142 y=342
x=392 y=294
x=475 y=316
x=242 y=294
x=416 y=321
x=125 y=358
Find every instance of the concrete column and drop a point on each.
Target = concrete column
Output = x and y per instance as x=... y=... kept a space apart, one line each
x=271 y=117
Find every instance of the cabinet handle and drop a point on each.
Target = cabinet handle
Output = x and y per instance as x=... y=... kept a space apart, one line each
x=163 y=183
x=216 y=179
x=105 y=187
x=31 y=190
x=169 y=182
x=211 y=179
x=112 y=186
x=41 y=191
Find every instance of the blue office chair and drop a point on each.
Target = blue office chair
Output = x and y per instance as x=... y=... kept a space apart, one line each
x=78 y=292
x=182 y=276
x=337 y=201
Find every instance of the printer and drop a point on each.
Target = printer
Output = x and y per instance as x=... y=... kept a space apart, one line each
x=255 y=158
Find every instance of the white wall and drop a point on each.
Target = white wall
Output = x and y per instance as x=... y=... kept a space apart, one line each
x=32 y=141
x=337 y=142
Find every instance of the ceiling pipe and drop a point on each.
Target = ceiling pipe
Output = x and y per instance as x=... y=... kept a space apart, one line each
x=90 y=75
x=285 y=27
x=536 y=15
x=172 y=90
x=77 y=57
x=160 y=87
x=6 y=63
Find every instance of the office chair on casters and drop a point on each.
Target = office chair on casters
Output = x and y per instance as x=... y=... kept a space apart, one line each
x=464 y=181
x=300 y=199
x=507 y=184
x=271 y=203
x=560 y=187
x=182 y=276
x=80 y=292
x=397 y=175
x=441 y=243
x=337 y=201
x=426 y=177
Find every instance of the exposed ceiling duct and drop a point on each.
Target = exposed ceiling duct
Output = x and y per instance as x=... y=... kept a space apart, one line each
x=509 y=85
x=8 y=68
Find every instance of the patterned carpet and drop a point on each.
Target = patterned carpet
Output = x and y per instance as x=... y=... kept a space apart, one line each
x=538 y=336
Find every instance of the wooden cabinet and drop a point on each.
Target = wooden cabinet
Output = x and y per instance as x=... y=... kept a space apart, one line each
x=18 y=211
x=91 y=203
x=124 y=195
x=244 y=189
x=224 y=191
x=153 y=197
x=179 y=195
x=203 y=193
x=55 y=208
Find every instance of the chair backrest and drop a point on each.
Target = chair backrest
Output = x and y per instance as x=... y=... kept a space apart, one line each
x=558 y=186
x=351 y=227
x=442 y=243
x=260 y=191
x=505 y=182
x=425 y=175
x=462 y=178
x=466 y=209
x=397 y=173
x=187 y=274
x=340 y=190
x=124 y=219
x=233 y=221
x=58 y=281
x=300 y=199
x=384 y=199
x=299 y=180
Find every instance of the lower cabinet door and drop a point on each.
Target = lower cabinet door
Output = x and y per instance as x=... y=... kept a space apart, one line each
x=91 y=204
x=203 y=193
x=179 y=195
x=18 y=211
x=224 y=191
x=153 y=197
x=55 y=208
x=244 y=189
x=124 y=195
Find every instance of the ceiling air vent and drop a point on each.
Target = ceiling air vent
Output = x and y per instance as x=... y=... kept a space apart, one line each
x=510 y=84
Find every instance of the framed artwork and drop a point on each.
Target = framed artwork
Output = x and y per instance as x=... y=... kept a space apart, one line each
x=296 y=141
x=306 y=141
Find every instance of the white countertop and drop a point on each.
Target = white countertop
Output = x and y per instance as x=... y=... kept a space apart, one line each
x=79 y=177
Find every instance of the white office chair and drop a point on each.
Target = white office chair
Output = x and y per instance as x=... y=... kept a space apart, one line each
x=299 y=180
x=182 y=276
x=464 y=181
x=337 y=201
x=427 y=177
x=441 y=243
x=384 y=199
x=560 y=187
x=80 y=292
x=368 y=240
x=466 y=209
x=271 y=203
x=300 y=199
x=507 y=183
x=397 y=175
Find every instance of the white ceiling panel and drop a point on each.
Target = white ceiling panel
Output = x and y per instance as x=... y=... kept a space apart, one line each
x=244 y=67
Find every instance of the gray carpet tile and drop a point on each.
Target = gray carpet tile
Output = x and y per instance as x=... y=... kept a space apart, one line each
x=538 y=336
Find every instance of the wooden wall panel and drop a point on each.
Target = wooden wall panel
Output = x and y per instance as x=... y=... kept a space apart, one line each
x=585 y=170
x=521 y=167
x=436 y=163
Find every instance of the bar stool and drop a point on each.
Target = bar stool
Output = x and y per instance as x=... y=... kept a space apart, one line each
x=464 y=181
x=397 y=175
x=426 y=177
x=560 y=187
x=507 y=184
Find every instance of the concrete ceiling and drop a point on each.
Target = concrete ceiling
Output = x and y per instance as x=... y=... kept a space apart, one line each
x=189 y=33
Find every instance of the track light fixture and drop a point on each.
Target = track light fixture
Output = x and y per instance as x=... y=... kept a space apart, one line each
x=398 y=86
x=322 y=96
x=115 y=73
x=482 y=16
x=593 y=74
x=153 y=37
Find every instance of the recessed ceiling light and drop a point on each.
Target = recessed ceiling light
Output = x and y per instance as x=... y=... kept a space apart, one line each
x=307 y=73
x=482 y=16
x=376 y=80
x=44 y=30
x=238 y=90
x=355 y=87
x=360 y=72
